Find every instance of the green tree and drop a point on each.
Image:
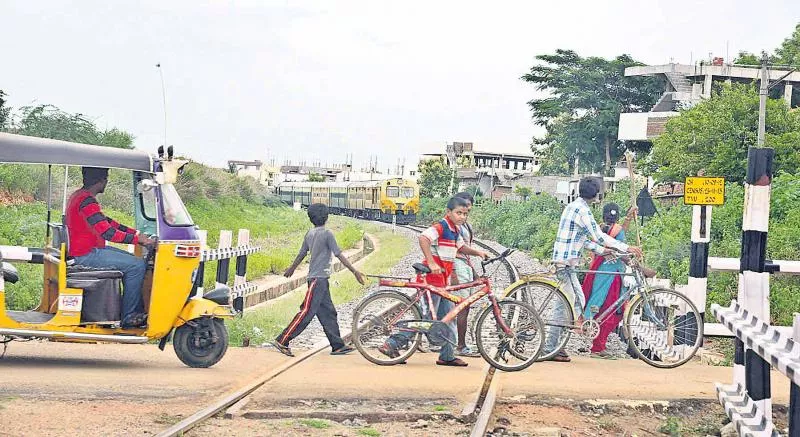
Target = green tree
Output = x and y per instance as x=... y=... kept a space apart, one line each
x=434 y=178
x=524 y=192
x=5 y=111
x=747 y=58
x=714 y=135
x=314 y=177
x=789 y=51
x=48 y=121
x=581 y=110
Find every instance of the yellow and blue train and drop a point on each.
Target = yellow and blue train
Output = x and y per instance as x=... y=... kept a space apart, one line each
x=383 y=200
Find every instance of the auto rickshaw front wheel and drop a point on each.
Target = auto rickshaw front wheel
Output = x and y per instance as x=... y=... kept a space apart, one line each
x=201 y=342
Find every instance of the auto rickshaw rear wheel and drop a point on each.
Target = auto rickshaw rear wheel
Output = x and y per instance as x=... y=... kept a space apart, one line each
x=201 y=342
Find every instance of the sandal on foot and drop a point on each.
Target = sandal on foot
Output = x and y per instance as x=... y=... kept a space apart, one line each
x=343 y=350
x=456 y=362
x=282 y=348
x=136 y=320
x=561 y=358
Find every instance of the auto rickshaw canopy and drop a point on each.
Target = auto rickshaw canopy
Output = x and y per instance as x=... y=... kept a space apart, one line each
x=33 y=150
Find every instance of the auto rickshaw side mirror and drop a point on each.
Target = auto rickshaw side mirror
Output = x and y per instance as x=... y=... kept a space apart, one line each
x=146 y=185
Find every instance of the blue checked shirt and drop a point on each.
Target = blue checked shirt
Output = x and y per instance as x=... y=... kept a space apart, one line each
x=578 y=230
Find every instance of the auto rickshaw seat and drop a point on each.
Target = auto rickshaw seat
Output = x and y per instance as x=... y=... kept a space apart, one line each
x=76 y=271
x=101 y=287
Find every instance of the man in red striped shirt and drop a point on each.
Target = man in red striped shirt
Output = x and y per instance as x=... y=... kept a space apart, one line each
x=89 y=229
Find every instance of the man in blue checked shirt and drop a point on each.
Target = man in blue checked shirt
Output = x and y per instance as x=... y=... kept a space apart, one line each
x=578 y=230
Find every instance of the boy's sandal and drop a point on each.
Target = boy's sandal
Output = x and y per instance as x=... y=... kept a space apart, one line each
x=457 y=362
x=281 y=348
x=343 y=350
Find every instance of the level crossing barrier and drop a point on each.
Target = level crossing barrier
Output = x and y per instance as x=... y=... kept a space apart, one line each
x=223 y=255
x=780 y=350
x=758 y=346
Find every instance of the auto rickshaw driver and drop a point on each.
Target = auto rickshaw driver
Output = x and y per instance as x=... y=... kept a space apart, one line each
x=89 y=229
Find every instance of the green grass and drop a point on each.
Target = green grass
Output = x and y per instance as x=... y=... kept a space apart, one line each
x=671 y=427
x=24 y=225
x=279 y=230
x=439 y=408
x=266 y=323
x=315 y=423
x=371 y=432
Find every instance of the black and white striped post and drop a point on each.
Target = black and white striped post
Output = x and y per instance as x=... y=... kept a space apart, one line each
x=753 y=290
x=223 y=265
x=698 y=258
x=239 y=281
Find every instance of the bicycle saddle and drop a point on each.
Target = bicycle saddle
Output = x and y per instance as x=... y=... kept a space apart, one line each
x=421 y=268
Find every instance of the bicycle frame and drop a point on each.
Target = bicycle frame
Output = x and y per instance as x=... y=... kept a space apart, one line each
x=425 y=290
x=636 y=291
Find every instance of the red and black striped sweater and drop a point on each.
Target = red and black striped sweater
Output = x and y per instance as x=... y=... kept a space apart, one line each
x=89 y=227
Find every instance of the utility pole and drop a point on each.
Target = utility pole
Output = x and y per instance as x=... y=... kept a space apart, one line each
x=762 y=100
x=164 y=99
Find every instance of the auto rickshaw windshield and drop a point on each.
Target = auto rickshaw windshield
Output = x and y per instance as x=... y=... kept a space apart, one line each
x=175 y=213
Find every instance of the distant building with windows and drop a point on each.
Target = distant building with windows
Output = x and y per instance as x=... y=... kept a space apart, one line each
x=686 y=85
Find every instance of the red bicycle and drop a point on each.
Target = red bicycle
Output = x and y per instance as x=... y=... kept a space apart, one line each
x=510 y=340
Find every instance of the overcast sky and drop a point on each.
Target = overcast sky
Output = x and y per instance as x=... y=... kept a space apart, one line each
x=318 y=80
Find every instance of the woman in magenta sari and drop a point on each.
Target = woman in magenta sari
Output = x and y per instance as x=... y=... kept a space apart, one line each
x=602 y=290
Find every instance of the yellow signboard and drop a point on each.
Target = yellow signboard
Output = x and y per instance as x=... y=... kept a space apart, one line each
x=704 y=191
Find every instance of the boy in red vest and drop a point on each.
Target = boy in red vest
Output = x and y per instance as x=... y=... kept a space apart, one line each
x=439 y=243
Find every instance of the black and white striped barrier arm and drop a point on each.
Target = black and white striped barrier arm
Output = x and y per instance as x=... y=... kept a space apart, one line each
x=780 y=350
x=717 y=264
x=228 y=253
x=754 y=279
x=745 y=415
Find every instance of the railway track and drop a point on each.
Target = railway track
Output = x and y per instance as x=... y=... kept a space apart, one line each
x=479 y=408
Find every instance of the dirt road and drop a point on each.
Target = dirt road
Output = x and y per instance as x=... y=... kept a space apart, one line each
x=89 y=389
x=84 y=389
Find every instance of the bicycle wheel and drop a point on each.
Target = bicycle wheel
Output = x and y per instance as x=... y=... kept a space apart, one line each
x=553 y=308
x=664 y=327
x=510 y=352
x=374 y=322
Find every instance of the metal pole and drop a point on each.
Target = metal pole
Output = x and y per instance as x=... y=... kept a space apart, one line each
x=49 y=200
x=164 y=99
x=762 y=102
x=64 y=204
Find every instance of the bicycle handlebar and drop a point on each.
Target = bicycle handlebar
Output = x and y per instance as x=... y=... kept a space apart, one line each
x=505 y=253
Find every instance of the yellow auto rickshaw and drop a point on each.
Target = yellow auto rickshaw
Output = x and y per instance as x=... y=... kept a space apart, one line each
x=83 y=305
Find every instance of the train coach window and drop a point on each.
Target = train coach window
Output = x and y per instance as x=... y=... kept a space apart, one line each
x=408 y=192
x=392 y=191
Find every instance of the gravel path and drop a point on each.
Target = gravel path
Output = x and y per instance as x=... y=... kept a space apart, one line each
x=577 y=345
